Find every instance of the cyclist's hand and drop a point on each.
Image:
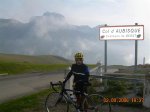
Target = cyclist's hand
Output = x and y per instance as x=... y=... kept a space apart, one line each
x=63 y=84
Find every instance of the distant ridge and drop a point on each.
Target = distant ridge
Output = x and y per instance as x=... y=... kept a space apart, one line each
x=34 y=59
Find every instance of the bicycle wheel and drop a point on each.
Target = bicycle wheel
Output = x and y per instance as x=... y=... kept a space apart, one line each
x=71 y=104
x=95 y=103
x=55 y=103
x=71 y=108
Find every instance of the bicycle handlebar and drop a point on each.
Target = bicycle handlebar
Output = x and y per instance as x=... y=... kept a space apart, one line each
x=57 y=84
x=62 y=85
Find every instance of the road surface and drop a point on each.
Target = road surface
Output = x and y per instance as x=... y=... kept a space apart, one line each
x=12 y=87
x=17 y=86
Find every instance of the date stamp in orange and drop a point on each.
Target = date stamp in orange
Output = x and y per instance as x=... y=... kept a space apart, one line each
x=123 y=100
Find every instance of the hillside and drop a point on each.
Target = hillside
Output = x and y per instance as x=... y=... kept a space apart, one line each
x=19 y=64
x=40 y=59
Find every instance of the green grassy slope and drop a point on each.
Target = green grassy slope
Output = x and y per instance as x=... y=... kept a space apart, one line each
x=41 y=59
x=19 y=68
x=18 y=64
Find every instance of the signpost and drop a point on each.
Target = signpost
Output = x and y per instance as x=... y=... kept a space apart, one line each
x=126 y=32
x=122 y=32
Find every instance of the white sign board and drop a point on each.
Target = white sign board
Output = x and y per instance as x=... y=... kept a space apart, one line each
x=128 y=32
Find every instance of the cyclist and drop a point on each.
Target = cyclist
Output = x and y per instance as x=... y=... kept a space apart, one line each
x=81 y=76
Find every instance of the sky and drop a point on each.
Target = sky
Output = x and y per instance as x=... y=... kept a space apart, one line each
x=88 y=12
x=80 y=12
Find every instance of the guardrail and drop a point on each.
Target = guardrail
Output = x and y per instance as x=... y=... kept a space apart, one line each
x=117 y=78
x=134 y=78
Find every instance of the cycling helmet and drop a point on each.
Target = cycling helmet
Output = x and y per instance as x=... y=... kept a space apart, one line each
x=78 y=55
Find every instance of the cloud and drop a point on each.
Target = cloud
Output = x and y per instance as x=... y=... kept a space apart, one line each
x=48 y=35
x=34 y=39
x=44 y=35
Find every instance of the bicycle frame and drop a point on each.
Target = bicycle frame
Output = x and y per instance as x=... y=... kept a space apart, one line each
x=64 y=93
x=64 y=97
x=70 y=100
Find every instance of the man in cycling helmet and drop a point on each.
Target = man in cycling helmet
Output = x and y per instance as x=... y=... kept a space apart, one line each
x=81 y=76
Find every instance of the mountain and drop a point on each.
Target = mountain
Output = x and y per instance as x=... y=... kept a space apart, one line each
x=46 y=34
x=51 y=34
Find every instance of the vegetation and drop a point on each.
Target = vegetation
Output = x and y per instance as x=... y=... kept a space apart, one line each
x=129 y=104
x=18 y=68
x=39 y=59
x=91 y=65
x=31 y=103
x=18 y=64
x=115 y=89
x=35 y=102
x=141 y=69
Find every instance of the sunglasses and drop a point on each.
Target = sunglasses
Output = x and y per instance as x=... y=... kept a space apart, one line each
x=79 y=59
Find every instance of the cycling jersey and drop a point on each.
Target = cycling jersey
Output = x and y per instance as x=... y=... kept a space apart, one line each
x=80 y=72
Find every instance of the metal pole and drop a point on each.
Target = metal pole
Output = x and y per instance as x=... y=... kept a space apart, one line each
x=105 y=55
x=136 y=53
x=105 y=70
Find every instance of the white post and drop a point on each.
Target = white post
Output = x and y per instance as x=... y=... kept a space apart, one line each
x=67 y=86
x=100 y=70
x=146 y=93
x=71 y=82
x=144 y=61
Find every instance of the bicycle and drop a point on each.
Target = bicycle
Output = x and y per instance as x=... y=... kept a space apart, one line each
x=63 y=101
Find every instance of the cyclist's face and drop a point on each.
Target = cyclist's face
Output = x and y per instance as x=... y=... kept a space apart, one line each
x=79 y=61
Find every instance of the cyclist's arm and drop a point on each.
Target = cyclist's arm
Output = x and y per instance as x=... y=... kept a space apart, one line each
x=68 y=76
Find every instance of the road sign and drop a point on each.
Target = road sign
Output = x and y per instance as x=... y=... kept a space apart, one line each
x=125 y=32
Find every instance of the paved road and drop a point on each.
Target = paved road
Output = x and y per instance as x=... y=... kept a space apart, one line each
x=15 y=86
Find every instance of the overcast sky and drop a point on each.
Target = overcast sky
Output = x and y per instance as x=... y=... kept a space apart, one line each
x=87 y=12
x=80 y=12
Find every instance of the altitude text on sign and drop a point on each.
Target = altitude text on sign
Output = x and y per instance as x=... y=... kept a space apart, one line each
x=130 y=32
